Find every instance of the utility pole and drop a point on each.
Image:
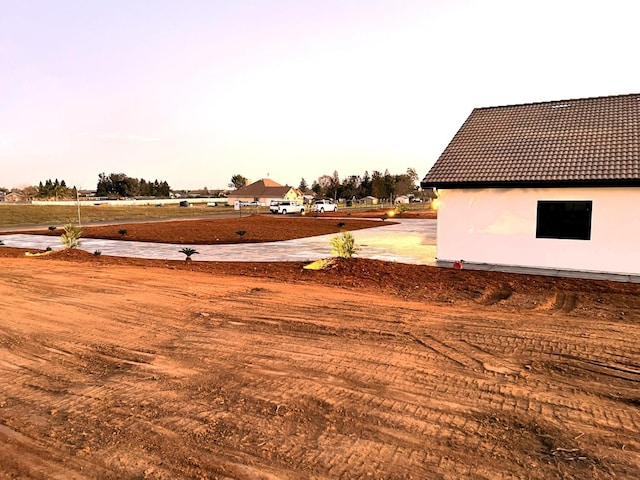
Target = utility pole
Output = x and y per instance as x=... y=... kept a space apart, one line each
x=78 y=202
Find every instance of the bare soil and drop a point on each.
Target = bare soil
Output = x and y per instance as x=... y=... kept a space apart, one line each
x=213 y=231
x=128 y=368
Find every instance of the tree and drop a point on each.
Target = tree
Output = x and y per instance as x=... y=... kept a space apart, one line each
x=238 y=182
x=350 y=187
x=303 y=185
x=412 y=174
x=30 y=192
x=71 y=236
x=365 y=186
x=163 y=190
x=405 y=183
x=377 y=184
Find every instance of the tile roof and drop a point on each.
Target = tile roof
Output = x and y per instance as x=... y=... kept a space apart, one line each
x=589 y=141
x=261 y=189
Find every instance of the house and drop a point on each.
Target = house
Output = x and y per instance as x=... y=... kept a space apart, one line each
x=263 y=191
x=15 y=197
x=546 y=185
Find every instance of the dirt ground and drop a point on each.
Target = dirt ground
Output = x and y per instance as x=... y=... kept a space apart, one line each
x=214 y=231
x=128 y=368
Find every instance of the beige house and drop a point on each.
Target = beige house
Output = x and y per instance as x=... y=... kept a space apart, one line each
x=15 y=197
x=263 y=191
x=545 y=185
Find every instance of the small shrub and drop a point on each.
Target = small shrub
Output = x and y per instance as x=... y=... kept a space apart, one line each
x=122 y=232
x=344 y=245
x=52 y=227
x=48 y=249
x=97 y=253
x=1 y=242
x=188 y=251
x=341 y=224
x=240 y=233
x=71 y=236
x=401 y=208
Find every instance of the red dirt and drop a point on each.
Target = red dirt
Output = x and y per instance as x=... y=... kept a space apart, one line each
x=127 y=368
x=256 y=228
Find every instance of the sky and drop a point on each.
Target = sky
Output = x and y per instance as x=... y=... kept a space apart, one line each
x=195 y=91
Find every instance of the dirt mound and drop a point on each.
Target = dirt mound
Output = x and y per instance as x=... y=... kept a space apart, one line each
x=74 y=254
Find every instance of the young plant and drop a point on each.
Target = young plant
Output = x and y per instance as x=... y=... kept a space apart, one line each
x=122 y=232
x=52 y=227
x=97 y=253
x=188 y=251
x=240 y=233
x=71 y=236
x=344 y=245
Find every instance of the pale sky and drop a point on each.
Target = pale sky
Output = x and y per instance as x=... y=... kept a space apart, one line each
x=194 y=91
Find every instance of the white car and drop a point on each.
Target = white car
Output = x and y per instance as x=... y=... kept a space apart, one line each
x=324 y=206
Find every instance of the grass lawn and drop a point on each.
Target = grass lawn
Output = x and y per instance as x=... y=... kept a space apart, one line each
x=27 y=215
x=58 y=215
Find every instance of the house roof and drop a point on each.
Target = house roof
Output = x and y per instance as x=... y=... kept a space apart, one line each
x=588 y=141
x=264 y=188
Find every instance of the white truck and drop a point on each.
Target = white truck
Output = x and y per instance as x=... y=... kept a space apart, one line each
x=324 y=206
x=286 y=206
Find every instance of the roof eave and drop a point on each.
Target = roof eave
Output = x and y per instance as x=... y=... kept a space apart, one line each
x=457 y=185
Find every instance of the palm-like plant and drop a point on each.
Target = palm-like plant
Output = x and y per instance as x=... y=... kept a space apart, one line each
x=188 y=251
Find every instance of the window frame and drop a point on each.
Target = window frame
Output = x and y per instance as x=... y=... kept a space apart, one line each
x=564 y=219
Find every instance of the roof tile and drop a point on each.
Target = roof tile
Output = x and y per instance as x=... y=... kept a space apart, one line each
x=595 y=139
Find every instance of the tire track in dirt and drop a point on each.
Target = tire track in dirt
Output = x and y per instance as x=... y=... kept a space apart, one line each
x=241 y=380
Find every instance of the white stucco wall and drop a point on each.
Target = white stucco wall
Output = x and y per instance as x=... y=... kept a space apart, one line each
x=498 y=226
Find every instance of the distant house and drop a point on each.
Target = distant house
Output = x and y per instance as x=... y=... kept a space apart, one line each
x=549 y=185
x=369 y=200
x=15 y=197
x=264 y=191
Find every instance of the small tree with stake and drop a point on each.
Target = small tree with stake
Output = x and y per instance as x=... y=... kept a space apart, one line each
x=71 y=236
x=344 y=246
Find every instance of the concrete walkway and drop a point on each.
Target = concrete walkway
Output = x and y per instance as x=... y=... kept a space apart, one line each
x=409 y=241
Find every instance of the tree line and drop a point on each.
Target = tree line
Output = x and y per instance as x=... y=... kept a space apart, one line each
x=120 y=185
x=380 y=185
x=55 y=189
x=377 y=184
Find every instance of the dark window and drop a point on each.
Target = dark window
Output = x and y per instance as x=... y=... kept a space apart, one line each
x=568 y=219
